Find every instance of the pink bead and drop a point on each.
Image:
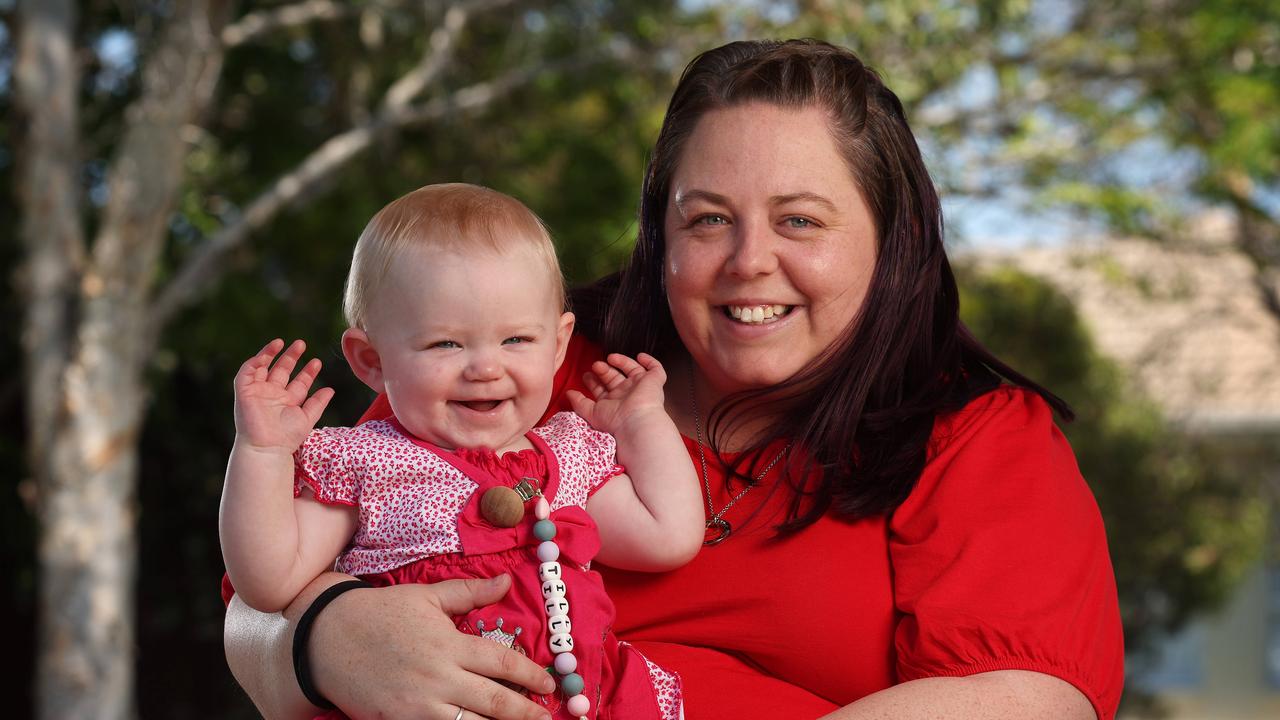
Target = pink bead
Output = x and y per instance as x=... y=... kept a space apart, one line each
x=548 y=551
x=542 y=509
x=566 y=663
x=578 y=705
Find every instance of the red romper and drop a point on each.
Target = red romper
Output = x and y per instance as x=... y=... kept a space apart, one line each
x=420 y=522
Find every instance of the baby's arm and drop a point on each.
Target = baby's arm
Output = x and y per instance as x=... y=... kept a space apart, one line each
x=650 y=518
x=272 y=544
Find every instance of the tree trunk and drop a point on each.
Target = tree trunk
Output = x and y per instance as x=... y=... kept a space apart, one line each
x=87 y=336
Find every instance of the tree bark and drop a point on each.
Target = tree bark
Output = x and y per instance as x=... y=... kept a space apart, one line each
x=87 y=340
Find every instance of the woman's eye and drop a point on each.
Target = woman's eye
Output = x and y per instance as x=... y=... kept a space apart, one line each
x=711 y=220
x=798 y=223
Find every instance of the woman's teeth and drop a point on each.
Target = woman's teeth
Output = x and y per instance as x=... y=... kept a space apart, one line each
x=757 y=314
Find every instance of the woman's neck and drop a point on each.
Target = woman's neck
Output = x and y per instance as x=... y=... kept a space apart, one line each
x=690 y=400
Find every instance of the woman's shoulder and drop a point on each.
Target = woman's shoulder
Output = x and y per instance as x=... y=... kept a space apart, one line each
x=992 y=416
x=1002 y=447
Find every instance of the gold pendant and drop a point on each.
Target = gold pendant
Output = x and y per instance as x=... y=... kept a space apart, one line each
x=717 y=530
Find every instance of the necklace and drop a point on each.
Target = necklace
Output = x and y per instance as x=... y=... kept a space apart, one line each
x=718 y=529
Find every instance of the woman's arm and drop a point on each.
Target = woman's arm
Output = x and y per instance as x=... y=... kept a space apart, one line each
x=999 y=695
x=388 y=653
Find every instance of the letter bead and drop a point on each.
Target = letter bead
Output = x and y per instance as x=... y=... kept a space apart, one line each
x=550 y=571
x=556 y=606
x=559 y=624
x=553 y=588
x=561 y=642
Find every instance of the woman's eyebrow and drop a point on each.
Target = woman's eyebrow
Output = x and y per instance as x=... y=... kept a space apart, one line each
x=689 y=196
x=805 y=197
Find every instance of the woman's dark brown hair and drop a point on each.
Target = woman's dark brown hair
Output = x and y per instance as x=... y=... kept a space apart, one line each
x=864 y=409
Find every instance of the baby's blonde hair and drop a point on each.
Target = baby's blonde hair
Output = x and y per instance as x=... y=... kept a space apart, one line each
x=451 y=216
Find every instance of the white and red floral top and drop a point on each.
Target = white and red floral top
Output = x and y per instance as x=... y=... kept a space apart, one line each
x=410 y=496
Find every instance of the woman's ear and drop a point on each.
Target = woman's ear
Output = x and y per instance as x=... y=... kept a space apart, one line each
x=564 y=330
x=363 y=358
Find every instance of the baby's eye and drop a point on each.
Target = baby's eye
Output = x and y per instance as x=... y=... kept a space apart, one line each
x=517 y=339
x=444 y=345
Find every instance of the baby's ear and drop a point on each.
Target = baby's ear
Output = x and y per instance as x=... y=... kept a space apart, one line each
x=564 y=330
x=363 y=358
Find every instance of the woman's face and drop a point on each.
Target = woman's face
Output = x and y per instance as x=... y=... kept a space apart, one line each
x=770 y=247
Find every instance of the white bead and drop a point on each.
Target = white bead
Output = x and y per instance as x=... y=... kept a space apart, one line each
x=550 y=571
x=548 y=551
x=559 y=624
x=561 y=642
x=556 y=606
x=566 y=663
x=553 y=588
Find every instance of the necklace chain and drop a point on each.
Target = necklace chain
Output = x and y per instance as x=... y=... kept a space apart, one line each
x=716 y=521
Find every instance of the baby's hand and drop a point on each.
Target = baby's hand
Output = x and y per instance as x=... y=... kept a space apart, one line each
x=273 y=413
x=625 y=391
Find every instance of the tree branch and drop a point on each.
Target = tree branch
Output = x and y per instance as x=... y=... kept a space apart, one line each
x=289 y=189
x=46 y=81
x=256 y=24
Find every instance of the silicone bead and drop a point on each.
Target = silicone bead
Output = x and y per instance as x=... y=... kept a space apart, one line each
x=550 y=571
x=561 y=642
x=556 y=606
x=566 y=662
x=559 y=624
x=544 y=529
x=542 y=509
x=548 y=551
x=578 y=705
x=572 y=684
x=553 y=588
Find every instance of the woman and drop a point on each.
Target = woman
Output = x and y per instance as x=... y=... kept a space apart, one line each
x=892 y=532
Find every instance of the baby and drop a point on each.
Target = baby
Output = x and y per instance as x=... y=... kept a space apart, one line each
x=456 y=310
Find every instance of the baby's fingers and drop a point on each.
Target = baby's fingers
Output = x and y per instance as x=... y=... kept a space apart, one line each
x=255 y=368
x=624 y=364
x=580 y=403
x=594 y=384
x=285 y=364
x=314 y=407
x=300 y=385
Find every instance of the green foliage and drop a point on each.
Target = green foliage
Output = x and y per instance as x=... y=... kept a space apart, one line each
x=1184 y=516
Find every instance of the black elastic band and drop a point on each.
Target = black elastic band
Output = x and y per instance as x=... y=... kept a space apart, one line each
x=302 y=634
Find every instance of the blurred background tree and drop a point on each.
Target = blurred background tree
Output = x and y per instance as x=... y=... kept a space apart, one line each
x=323 y=111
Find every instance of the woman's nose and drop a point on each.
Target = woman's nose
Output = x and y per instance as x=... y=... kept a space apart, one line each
x=754 y=251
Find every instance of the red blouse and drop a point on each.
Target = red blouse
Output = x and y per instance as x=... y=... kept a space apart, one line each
x=996 y=561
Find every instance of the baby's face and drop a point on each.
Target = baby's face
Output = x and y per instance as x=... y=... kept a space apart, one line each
x=469 y=344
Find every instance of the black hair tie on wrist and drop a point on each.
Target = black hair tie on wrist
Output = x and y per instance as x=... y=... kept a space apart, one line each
x=302 y=634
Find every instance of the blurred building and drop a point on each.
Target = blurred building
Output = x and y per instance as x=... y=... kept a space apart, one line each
x=1188 y=322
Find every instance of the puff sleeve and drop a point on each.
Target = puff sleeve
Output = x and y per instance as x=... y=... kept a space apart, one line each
x=1000 y=558
x=323 y=465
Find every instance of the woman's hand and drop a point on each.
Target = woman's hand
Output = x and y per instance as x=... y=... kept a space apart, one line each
x=388 y=653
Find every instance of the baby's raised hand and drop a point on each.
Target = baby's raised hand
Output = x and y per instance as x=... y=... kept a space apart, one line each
x=273 y=412
x=623 y=391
